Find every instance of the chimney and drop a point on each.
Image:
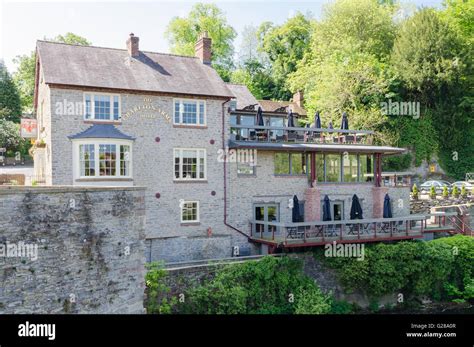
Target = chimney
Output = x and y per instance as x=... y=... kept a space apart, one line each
x=298 y=98
x=203 y=48
x=132 y=46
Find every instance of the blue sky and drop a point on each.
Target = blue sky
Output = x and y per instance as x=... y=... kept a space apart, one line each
x=108 y=23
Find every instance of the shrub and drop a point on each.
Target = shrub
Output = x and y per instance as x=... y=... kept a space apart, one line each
x=157 y=290
x=269 y=286
x=455 y=192
x=433 y=192
x=445 y=192
x=463 y=191
x=415 y=192
x=441 y=269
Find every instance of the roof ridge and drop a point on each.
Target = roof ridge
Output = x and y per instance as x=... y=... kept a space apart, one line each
x=114 y=49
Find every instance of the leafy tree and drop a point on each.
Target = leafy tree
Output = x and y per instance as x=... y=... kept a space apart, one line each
x=183 y=33
x=10 y=106
x=285 y=46
x=10 y=137
x=24 y=76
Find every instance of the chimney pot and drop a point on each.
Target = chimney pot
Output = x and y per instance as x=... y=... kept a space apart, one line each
x=132 y=46
x=203 y=48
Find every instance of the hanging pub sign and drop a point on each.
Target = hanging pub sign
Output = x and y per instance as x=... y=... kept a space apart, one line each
x=28 y=128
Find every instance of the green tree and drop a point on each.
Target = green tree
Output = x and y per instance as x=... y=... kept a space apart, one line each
x=285 y=46
x=24 y=76
x=183 y=33
x=10 y=137
x=10 y=105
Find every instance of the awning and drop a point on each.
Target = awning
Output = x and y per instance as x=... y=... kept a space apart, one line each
x=101 y=131
x=314 y=147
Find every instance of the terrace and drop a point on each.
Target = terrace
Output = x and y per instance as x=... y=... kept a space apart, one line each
x=304 y=234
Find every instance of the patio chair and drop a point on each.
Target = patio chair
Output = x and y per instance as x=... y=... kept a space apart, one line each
x=291 y=136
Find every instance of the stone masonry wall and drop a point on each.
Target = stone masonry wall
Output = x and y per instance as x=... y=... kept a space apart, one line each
x=90 y=247
x=153 y=167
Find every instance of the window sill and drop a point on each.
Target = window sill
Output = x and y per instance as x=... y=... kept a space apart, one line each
x=190 y=126
x=185 y=224
x=189 y=181
x=98 y=121
x=105 y=179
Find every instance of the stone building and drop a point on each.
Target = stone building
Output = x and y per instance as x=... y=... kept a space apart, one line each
x=126 y=117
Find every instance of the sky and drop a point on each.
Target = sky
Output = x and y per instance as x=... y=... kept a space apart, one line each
x=109 y=22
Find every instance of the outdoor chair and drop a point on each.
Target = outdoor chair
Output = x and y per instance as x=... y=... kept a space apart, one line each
x=291 y=136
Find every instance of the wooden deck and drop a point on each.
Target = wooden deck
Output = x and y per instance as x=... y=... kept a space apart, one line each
x=278 y=234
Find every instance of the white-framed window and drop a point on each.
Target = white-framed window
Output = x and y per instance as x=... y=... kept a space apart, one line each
x=103 y=158
x=190 y=212
x=189 y=164
x=189 y=112
x=102 y=107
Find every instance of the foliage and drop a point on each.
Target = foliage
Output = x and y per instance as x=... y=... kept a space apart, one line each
x=445 y=193
x=414 y=192
x=183 y=33
x=455 y=191
x=157 y=290
x=10 y=106
x=433 y=192
x=463 y=191
x=24 y=76
x=441 y=269
x=269 y=286
x=285 y=46
x=10 y=137
x=397 y=163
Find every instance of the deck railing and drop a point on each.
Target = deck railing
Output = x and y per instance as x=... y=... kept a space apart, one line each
x=364 y=230
x=255 y=133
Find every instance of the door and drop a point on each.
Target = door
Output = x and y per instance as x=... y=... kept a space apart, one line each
x=266 y=213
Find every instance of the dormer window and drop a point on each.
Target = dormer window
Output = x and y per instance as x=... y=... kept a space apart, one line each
x=102 y=107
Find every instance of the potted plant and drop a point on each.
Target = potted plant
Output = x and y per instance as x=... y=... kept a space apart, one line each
x=432 y=192
x=40 y=143
x=463 y=191
x=414 y=192
x=455 y=192
x=445 y=192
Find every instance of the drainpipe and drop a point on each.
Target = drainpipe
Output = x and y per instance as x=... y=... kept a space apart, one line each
x=225 y=172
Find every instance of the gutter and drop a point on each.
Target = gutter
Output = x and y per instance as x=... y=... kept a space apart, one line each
x=225 y=173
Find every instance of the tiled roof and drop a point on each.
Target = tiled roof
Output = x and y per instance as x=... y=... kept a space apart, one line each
x=102 y=131
x=245 y=98
x=111 y=68
x=281 y=106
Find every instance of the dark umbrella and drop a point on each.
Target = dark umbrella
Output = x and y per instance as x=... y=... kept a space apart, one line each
x=259 y=117
x=356 y=209
x=326 y=209
x=317 y=120
x=330 y=126
x=296 y=210
x=387 y=208
x=345 y=121
x=291 y=121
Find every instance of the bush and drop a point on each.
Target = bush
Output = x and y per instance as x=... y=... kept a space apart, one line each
x=433 y=192
x=463 y=191
x=455 y=192
x=157 y=290
x=445 y=192
x=269 y=286
x=415 y=192
x=442 y=269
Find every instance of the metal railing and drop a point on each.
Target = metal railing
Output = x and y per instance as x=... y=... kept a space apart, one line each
x=256 y=133
x=364 y=230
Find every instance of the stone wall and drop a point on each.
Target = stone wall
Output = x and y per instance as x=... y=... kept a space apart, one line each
x=422 y=206
x=89 y=250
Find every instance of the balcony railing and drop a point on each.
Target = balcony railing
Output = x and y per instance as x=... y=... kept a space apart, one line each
x=255 y=133
x=365 y=230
